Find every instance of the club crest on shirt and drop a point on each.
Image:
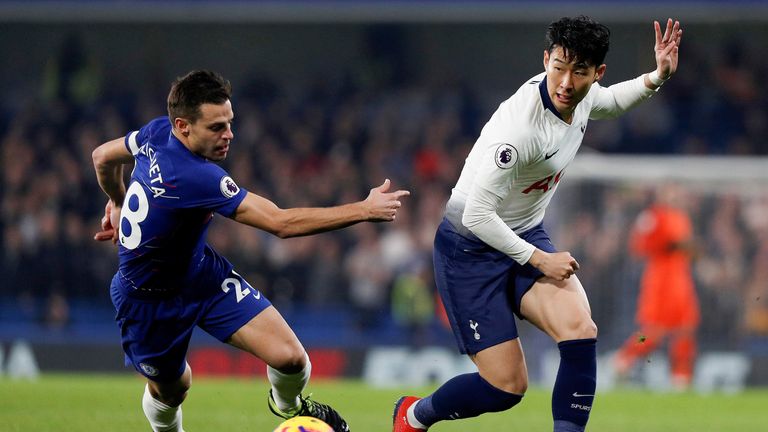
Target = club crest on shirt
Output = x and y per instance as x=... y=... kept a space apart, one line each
x=228 y=187
x=506 y=156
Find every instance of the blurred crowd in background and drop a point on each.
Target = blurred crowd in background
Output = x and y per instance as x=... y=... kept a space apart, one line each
x=330 y=141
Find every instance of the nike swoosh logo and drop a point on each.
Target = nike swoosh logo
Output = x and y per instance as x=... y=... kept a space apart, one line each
x=549 y=155
x=577 y=394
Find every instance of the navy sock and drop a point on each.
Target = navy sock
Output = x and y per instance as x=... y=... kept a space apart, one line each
x=463 y=396
x=575 y=385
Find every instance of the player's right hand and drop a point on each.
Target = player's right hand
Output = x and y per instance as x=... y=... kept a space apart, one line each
x=556 y=265
x=382 y=205
x=110 y=219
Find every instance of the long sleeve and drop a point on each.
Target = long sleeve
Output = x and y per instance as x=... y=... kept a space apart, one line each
x=481 y=218
x=612 y=101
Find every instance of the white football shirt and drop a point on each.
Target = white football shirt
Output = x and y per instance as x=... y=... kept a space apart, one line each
x=514 y=167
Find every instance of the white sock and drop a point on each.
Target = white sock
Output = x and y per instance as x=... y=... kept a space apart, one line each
x=412 y=420
x=162 y=417
x=286 y=388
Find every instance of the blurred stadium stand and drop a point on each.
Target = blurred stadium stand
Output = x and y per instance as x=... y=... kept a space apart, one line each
x=333 y=96
x=335 y=11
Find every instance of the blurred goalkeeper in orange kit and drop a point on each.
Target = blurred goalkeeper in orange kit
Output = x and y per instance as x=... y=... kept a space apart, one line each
x=667 y=306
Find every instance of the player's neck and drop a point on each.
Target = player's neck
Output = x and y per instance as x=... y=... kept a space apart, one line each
x=567 y=116
x=182 y=139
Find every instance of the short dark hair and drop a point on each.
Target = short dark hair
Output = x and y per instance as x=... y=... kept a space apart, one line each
x=582 y=39
x=194 y=89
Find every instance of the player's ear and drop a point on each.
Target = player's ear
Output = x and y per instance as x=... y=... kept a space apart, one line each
x=182 y=125
x=599 y=72
x=546 y=59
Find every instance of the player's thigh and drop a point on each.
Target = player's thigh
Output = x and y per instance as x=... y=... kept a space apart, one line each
x=155 y=335
x=240 y=315
x=559 y=308
x=268 y=337
x=503 y=366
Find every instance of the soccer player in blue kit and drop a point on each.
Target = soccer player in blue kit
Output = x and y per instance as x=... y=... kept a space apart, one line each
x=492 y=257
x=170 y=281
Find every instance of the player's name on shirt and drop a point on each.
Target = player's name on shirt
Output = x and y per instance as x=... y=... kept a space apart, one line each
x=155 y=174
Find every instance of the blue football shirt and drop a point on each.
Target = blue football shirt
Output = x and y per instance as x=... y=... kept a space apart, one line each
x=169 y=204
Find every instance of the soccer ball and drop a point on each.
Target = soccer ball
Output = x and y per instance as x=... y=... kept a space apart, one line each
x=303 y=424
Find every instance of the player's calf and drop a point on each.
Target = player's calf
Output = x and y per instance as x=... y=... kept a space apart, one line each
x=463 y=396
x=575 y=385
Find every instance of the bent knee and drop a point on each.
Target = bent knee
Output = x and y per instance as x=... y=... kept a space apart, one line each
x=513 y=383
x=170 y=394
x=292 y=359
x=518 y=387
x=173 y=398
x=583 y=328
x=588 y=330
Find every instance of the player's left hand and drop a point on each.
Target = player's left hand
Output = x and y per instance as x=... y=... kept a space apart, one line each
x=109 y=221
x=556 y=265
x=667 y=47
x=383 y=205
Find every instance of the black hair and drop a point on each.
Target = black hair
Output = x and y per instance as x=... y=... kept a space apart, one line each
x=194 y=89
x=582 y=39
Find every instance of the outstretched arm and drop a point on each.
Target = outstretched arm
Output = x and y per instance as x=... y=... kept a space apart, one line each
x=666 y=51
x=108 y=161
x=259 y=212
x=610 y=102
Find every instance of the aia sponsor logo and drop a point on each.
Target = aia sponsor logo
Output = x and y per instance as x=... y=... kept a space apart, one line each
x=545 y=184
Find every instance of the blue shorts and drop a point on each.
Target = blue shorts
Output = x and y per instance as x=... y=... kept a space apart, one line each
x=155 y=333
x=482 y=287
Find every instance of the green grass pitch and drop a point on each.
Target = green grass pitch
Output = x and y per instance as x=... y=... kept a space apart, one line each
x=76 y=403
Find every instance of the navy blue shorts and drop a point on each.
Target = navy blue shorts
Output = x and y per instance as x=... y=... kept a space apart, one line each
x=155 y=333
x=482 y=287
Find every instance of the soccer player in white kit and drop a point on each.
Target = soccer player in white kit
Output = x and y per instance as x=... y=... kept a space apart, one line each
x=493 y=259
